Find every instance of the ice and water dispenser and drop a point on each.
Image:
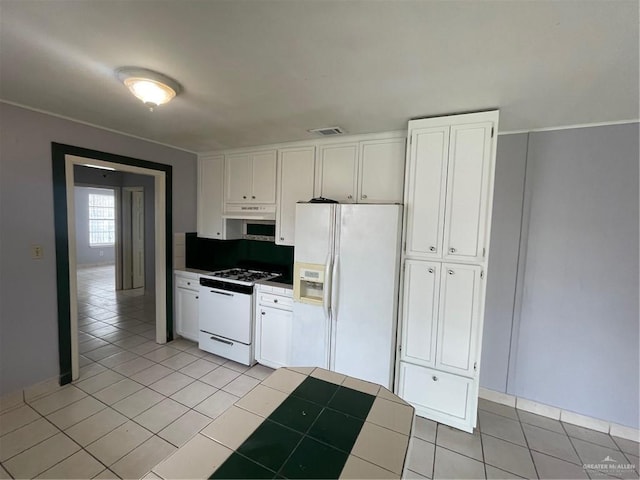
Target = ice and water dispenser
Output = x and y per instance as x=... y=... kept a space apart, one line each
x=309 y=283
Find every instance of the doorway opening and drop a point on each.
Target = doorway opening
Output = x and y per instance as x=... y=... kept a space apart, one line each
x=64 y=159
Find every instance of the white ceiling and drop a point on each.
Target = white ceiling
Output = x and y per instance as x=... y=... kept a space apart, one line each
x=265 y=71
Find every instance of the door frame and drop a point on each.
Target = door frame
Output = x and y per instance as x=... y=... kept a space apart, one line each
x=64 y=157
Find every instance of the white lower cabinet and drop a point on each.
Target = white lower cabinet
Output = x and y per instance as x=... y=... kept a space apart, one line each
x=440 y=337
x=440 y=396
x=274 y=322
x=186 y=305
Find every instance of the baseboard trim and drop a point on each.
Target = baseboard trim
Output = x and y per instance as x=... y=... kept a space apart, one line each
x=565 y=416
x=17 y=398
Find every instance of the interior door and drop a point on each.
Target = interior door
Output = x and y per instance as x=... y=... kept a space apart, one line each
x=365 y=291
x=137 y=238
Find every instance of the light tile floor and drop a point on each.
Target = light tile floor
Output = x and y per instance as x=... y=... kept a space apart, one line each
x=136 y=402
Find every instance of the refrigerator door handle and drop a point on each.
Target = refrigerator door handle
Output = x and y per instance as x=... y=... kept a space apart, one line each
x=334 y=289
x=326 y=301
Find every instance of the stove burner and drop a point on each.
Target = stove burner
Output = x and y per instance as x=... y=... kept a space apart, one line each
x=243 y=275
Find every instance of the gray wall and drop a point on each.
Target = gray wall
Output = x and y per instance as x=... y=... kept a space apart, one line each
x=86 y=254
x=28 y=304
x=574 y=338
x=511 y=159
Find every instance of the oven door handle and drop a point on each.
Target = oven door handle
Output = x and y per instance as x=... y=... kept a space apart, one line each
x=222 y=293
x=221 y=341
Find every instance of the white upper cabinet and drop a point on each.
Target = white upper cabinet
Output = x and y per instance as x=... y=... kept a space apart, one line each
x=296 y=167
x=210 y=196
x=381 y=178
x=338 y=172
x=449 y=184
x=250 y=177
x=369 y=171
x=424 y=203
x=263 y=178
x=467 y=191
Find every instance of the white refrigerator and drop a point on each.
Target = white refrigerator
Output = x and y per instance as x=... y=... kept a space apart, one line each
x=346 y=275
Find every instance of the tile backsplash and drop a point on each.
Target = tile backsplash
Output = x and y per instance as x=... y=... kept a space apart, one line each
x=209 y=254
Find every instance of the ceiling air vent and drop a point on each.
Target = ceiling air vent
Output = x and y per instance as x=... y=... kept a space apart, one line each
x=327 y=131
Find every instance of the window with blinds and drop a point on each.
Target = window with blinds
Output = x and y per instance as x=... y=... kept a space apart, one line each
x=102 y=220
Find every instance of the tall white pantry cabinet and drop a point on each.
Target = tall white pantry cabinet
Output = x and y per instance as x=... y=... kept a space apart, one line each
x=448 y=200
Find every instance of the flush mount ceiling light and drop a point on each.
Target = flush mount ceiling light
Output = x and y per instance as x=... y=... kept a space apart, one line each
x=151 y=87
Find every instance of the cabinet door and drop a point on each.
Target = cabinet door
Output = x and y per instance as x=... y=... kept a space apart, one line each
x=295 y=184
x=458 y=318
x=381 y=171
x=274 y=337
x=468 y=184
x=420 y=312
x=237 y=171
x=424 y=201
x=263 y=177
x=339 y=171
x=210 y=196
x=187 y=314
x=439 y=396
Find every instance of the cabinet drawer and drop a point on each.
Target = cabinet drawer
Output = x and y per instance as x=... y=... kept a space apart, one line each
x=437 y=392
x=236 y=351
x=277 y=301
x=188 y=283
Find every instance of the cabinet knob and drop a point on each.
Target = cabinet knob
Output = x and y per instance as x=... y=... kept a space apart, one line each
x=275 y=300
x=188 y=283
x=262 y=312
x=452 y=250
x=364 y=196
x=430 y=270
x=434 y=378
x=197 y=297
x=253 y=196
x=281 y=238
x=244 y=196
x=349 y=197
x=432 y=248
x=451 y=272
x=217 y=233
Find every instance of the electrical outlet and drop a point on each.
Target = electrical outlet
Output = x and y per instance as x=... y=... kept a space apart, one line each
x=37 y=252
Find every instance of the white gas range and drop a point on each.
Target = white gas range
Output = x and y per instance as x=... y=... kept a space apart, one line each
x=226 y=313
